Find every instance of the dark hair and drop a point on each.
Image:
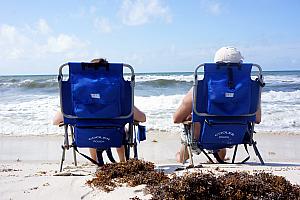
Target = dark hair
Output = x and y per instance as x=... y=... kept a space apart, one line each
x=102 y=61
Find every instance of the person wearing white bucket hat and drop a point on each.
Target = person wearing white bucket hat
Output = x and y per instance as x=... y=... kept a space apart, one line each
x=183 y=112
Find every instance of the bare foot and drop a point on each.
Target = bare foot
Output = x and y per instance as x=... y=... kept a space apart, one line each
x=182 y=155
x=177 y=155
x=222 y=154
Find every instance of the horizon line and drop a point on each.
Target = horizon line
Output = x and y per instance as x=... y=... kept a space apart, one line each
x=48 y=74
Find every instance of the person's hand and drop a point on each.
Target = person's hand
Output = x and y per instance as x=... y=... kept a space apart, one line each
x=189 y=118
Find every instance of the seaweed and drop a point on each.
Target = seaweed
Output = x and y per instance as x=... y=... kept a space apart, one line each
x=133 y=173
x=194 y=185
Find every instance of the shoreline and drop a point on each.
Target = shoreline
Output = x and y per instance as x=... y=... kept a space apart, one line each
x=30 y=164
x=274 y=147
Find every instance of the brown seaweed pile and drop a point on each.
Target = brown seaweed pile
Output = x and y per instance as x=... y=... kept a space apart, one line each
x=133 y=172
x=233 y=185
x=196 y=185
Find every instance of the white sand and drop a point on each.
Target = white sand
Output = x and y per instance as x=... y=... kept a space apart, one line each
x=28 y=165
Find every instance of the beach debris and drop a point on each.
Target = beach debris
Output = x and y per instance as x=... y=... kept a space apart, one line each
x=232 y=185
x=194 y=185
x=33 y=188
x=68 y=174
x=133 y=173
x=271 y=153
x=135 y=198
x=188 y=167
x=46 y=184
x=154 y=140
x=40 y=173
x=9 y=170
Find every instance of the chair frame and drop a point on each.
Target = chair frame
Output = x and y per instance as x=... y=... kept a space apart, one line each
x=130 y=140
x=189 y=126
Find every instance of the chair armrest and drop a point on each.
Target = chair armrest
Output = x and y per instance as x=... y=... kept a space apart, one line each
x=61 y=124
x=187 y=122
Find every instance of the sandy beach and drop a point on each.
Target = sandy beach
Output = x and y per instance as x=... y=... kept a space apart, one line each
x=29 y=166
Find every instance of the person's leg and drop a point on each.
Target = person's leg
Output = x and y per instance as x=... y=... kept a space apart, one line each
x=121 y=153
x=182 y=155
x=197 y=130
x=93 y=153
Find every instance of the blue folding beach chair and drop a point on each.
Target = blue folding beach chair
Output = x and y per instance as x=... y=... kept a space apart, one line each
x=96 y=103
x=225 y=104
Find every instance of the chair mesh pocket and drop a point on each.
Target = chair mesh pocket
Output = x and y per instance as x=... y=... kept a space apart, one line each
x=97 y=98
x=228 y=101
x=99 y=137
x=219 y=135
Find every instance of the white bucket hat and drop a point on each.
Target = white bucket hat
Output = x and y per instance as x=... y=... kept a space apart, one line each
x=228 y=55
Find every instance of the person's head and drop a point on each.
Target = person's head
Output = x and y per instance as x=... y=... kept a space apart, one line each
x=99 y=60
x=228 y=55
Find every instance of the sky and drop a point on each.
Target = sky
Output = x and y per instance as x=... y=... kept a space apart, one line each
x=36 y=37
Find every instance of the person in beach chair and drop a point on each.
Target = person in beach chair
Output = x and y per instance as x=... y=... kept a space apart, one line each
x=96 y=104
x=220 y=111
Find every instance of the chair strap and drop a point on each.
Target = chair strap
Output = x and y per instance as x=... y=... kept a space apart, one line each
x=99 y=156
x=230 y=78
x=248 y=157
x=109 y=155
x=89 y=158
x=205 y=153
x=216 y=155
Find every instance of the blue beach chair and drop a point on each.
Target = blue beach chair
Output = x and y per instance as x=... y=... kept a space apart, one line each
x=96 y=103
x=225 y=104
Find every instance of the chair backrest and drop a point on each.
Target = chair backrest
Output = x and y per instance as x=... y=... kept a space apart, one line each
x=225 y=102
x=96 y=99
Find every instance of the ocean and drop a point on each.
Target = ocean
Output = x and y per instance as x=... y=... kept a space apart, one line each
x=28 y=103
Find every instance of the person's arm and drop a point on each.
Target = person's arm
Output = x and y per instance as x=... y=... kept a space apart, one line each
x=138 y=115
x=184 y=110
x=58 y=118
x=258 y=115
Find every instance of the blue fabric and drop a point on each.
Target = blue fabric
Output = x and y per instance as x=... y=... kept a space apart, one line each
x=226 y=101
x=227 y=94
x=97 y=96
x=217 y=136
x=96 y=92
x=141 y=134
x=95 y=137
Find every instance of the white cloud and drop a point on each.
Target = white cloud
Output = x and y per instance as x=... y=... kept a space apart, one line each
x=215 y=8
x=139 y=12
x=212 y=6
x=43 y=27
x=92 y=9
x=12 y=43
x=63 y=43
x=17 y=43
x=103 y=25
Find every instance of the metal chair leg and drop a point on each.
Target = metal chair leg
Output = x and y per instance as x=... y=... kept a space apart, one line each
x=127 y=151
x=129 y=141
x=257 y=153
x=135 y=152
x=62 y=158
x=189 y=143
x=74 y=155
x=234 y=154
x=64 y=147
x=74 y=152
